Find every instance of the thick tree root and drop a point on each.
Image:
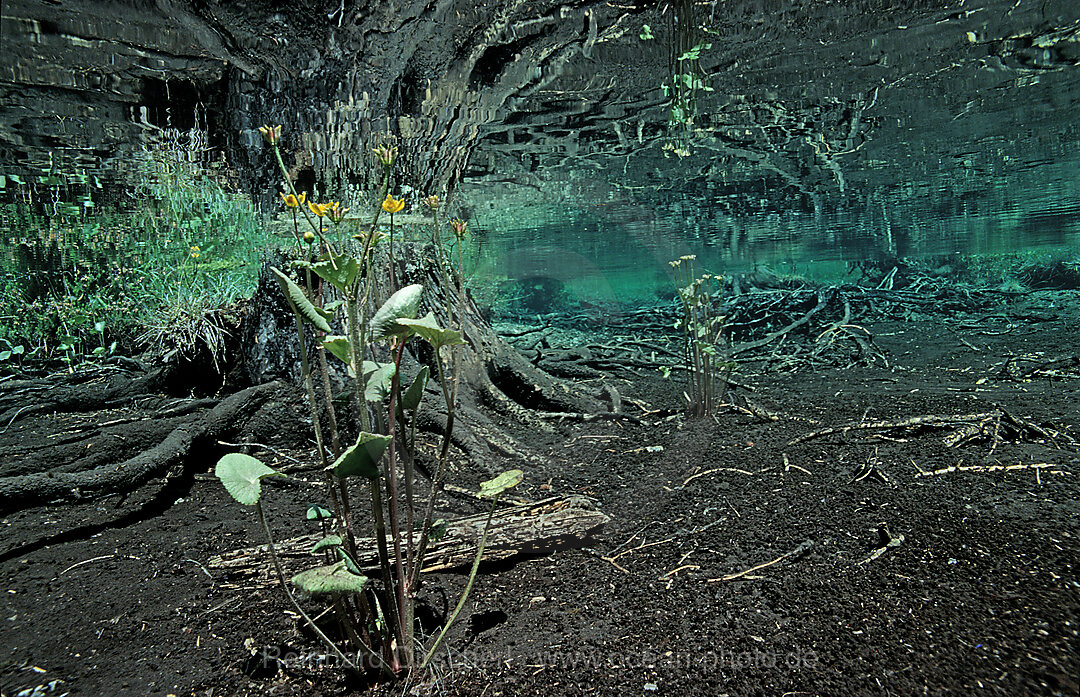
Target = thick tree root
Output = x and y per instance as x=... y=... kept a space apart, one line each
x=82 y=391
x=24 y=491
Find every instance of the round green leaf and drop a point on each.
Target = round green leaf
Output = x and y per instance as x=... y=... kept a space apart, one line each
x=339 y=346
x=378 y=383
x=241 y=474
x=328 y=541
x=341 y=270
x=317 y=512
x=362 y=457
x=506 y=480
x=334 y=578
x=431 y=332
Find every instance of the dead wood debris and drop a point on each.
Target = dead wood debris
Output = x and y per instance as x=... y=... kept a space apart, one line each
x=1029 y=367
x=886 y=541
x=1049 y=467
x=792 y=554
x=994 y=427
x=529 y=528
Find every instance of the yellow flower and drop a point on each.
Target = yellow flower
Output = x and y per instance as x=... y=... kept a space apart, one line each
x=386 y=155
x=194 y=251
x=393 y=205
x=319 y=209
x=292 y=201
x=271 y=134
x=432 y=202
x=337 y=213
x=460 y=227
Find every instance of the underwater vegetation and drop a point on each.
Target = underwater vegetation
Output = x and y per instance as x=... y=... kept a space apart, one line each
x=376 y=618
x=82 y=279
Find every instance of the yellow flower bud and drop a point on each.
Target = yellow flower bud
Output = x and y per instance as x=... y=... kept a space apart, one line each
x=432 y=202
x=271 y=134
x=309 y=236
x=460 y=227
x=386 y=155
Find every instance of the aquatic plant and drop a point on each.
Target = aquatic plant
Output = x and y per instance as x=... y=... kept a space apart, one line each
x=71 y=262
x=702 y=329
x=376 y=617
x=687 y=81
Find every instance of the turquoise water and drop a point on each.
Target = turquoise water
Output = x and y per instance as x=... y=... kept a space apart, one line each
x=585 y=153
x=618 y=249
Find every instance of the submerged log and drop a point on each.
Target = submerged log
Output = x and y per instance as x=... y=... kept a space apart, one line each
x=527 y=529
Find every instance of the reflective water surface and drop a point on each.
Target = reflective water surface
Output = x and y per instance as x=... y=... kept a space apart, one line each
x=593 y=144
x=955 y=132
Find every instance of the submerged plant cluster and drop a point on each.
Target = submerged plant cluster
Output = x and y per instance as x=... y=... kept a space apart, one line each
x=82 y=278
x=334 y=284
x=702 y=328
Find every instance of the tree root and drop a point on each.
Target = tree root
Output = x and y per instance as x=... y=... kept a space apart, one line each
x=82 y=391
x=24 y=491
x=994 y=427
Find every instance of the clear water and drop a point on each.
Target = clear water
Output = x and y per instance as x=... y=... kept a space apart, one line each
x=821 y=138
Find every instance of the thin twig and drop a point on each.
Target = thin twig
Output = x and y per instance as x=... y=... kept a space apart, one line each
x=739 y=574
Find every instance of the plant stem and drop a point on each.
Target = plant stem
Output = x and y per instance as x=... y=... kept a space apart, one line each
x=468 y=586
x=384 y=561
x=450 y=397
x=401 y=590
x=305 y=366
x=356 y=356
x=281 y=577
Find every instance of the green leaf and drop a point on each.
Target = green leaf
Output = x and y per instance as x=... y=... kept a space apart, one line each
x=299 y=302
x=362 y=457
x=339 y=346
x=438 y=530
x=506 y=480
x=324 y=543
x=378 y=383
x=242 y=476
x=411 y=399
x=646 y=33
x=350 y=563
x=695 y=53
x=341 y=270
x=334 y=578
x=317 y=512
x=401 y=305
x=431 y=332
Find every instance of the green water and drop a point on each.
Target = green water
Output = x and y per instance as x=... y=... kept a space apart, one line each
x=808 y=143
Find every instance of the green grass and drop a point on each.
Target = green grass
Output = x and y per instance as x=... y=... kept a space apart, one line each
x=80 y=280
